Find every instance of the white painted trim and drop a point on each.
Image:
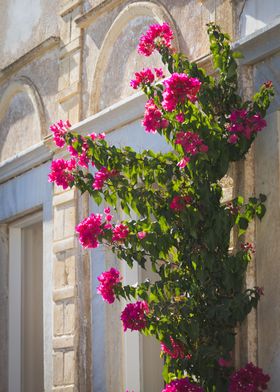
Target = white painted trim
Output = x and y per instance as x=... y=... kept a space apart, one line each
x=24 y=161
x=115 y=116
x=15 y=280
x=260 y=44
x=14 y=326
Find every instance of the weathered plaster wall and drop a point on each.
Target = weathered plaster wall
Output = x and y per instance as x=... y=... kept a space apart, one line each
x=26 y=112
x=112 y=83
x=268 y=249
x=255 y=14
x=24 y=25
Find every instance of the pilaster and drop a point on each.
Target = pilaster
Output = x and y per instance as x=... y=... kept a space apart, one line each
x=66 y=320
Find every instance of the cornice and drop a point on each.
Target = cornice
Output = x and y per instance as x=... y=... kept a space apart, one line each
x=260 y=44
x=24 y=161
x=93 y=13
x=38 y=51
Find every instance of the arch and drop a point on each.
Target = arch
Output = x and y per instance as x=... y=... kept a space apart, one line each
x=24 y=85
x=131 y=11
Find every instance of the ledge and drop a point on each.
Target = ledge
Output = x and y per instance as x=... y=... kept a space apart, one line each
x=38 y=51
x=115 y=116
x=260 y=44
x=91 y=15
x=24 y=161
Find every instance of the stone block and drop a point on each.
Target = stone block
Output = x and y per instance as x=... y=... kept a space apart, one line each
x=58 y=319
x=64 y=72
x=65 y=29
x=59 y=275
x=64 y=197
x=75 y=67
x=58 y=224
x=69 y=220
x=69 y=317
x=69 y=367
x=61 y=246
x=70 y=269
x=63 y=342
x=58 y=367
x=65 y=293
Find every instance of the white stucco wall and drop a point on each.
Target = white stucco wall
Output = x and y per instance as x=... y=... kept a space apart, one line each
x=24 y=25
x=257 y=14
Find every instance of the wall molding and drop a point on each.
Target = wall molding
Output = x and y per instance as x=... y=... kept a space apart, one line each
x=38 y=51
x=131 y=11
x=24 y=161
x=260 y=44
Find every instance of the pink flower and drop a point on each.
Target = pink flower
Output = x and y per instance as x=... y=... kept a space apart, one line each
x=108 y=280
x=59 y=130
x=183 y=162
x=107 y=210
x=93 y=136
x=247 y=247
x=89 y=230
x=61 y=172
x=177 y=350
x=241 y=123
x=143 y=77
x=159 y=73
x=101 y=136
x=156 y=37
x=179 y=88
x=182 y=385
x=180 y=117
x=248 y=379
x=141 y=235
x=101 y=176
x=109 y=217
x=225 y=362
x=120 y=232
x=191 y=143
x=153 y=118
x=233 y=139
x=179 y=203
x=134 y=316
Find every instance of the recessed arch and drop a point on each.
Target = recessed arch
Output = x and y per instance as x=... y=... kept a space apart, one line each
x=24 y=85
x=140 y=8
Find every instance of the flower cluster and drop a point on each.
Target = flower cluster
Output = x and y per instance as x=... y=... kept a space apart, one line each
x=120 y=232
x=108 y=280
x=153 y=118
x=182 y=385
x=178 y=88
x=59 y=130
x=89 y=230
x=134 y=316
x=61 y=172
x=145 y=77
x=225 y=362
x=82 y=158
x=241 y=123
x=179 y=203
x=248 y=379
x=247 y=247
x=101 y=176
x=177 y=350
x=192 y=145
x=156 y=37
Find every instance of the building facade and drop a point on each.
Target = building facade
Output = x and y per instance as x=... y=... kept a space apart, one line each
x=73 y=59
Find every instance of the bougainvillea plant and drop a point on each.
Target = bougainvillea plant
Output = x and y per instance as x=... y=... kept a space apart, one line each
x=182 y=228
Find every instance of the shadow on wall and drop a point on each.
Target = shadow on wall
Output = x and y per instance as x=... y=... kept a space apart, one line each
x=22 y=118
